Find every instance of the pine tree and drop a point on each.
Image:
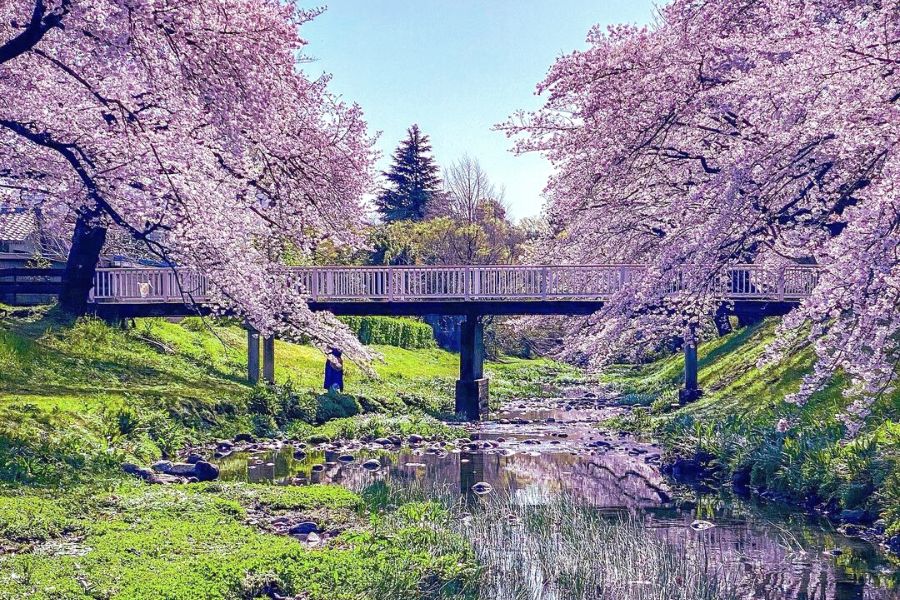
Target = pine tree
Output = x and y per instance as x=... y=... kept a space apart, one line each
x=413 y=180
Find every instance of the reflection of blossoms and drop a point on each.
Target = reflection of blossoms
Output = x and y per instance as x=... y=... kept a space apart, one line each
x=782 y=426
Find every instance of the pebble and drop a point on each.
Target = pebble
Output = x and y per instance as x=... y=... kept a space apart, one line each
x=482 y=487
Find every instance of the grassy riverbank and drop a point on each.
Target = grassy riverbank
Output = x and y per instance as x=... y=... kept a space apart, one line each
x=85 y=396
x=78 y=399
x=731 y=432
x=133 y=541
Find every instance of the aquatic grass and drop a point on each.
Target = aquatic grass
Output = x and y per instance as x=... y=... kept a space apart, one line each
x=558 y=549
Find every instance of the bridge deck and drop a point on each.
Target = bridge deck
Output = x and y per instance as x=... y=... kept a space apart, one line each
x=358 y=290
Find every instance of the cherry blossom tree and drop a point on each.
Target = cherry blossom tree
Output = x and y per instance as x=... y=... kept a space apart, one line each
x=190 y=125
x=735 y=131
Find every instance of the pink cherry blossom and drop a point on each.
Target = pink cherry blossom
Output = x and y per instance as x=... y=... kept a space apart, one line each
x=734 y=131
x=190 y=125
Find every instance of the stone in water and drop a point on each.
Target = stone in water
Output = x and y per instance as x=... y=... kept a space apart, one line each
x=482 y=487
x=700 y=525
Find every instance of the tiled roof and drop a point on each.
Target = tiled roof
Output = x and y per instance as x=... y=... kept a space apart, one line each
x=17 y=225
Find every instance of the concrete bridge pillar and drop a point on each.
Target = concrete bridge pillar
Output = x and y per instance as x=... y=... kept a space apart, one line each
x=691 y=389
x=472 y=387
x=269 y=359
x=252 y=355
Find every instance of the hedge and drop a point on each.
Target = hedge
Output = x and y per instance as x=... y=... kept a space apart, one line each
x=391 y=331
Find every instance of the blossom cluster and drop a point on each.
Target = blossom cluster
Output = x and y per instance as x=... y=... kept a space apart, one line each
x=191 y=125
x=734 y=131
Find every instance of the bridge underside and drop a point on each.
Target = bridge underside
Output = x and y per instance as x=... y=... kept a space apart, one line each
x=472 y=386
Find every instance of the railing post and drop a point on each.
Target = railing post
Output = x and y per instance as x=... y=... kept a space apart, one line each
x=544 y=283
x=467 y=282
x=623 y=277
x=779 y=285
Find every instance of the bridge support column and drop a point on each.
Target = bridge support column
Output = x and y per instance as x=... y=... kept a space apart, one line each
x=691 y=389
x=252 y=355
x=269 y=359
x=472 y=387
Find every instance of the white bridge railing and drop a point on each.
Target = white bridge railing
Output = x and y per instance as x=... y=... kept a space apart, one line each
x=424 y=283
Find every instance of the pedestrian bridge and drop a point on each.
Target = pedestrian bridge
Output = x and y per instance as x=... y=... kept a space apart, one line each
x=472 y=291
x=455 y=285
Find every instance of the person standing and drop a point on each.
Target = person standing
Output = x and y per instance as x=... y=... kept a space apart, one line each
x=334 y=371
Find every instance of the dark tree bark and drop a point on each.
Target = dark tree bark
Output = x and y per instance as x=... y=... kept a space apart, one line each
x=81 y=265
x=38 y=25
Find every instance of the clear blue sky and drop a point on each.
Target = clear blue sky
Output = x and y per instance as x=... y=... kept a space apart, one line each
x=456 y=67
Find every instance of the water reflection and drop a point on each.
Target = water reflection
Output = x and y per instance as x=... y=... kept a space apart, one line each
x=538 y=451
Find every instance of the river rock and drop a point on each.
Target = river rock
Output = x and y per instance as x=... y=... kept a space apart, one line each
x=205 y=471
x=371 y=465
x=893 y=544
x=181 y=469
x=304 y=527
x=244 y=437
x=299 y=454
x=133 y=469
x=482 y=487
x=701 y=525
x=383 y=441
x=193 y=458
x=346 y=458
x=317 y=468
x=162 y=466
x=415 y=439
x=857 y=517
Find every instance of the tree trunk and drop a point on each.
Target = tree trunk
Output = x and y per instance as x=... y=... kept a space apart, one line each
x=87 y=242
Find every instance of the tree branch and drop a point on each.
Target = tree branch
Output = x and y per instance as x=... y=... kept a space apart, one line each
x=41 y=22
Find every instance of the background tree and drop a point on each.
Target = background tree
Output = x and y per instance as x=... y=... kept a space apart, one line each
x=412 y=181
x=735 y=131
x=193 y=130
x=482 y=232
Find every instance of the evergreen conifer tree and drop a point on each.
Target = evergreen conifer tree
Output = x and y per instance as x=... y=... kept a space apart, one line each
x=412 y=181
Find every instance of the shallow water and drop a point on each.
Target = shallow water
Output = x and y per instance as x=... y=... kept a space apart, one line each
x=536 y=449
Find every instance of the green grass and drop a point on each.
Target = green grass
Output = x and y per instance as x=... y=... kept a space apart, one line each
x=734 y=423
x=31 y=519
x=189 y=542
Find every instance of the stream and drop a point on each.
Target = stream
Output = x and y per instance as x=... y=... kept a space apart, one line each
x=536 y=449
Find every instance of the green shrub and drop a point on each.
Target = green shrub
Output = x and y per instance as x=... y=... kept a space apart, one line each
x=264 y=425
x=335 y=405
x=391 y=331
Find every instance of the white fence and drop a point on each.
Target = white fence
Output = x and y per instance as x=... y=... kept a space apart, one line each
x=495 y=282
